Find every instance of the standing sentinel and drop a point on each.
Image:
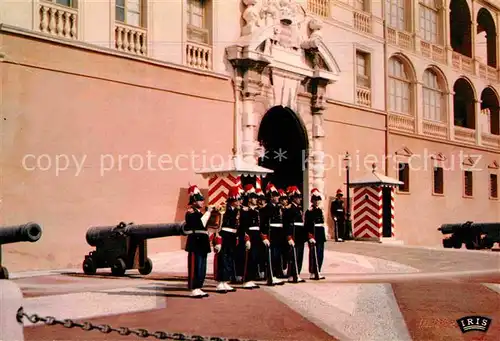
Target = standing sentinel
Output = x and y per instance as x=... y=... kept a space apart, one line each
x=337 y=211
x=314 y=221
x=198 y=243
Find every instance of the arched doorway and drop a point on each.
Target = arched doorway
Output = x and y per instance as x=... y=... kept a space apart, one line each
x=284 y=139
x=489 y=100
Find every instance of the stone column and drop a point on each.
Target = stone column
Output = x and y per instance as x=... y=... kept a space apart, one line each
x=451 y=115
x=419 y=108
x=249 y=83
x=318 y=89
x=477 y=115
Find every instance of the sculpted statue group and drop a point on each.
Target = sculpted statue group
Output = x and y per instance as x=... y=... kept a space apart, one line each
x=261 y=238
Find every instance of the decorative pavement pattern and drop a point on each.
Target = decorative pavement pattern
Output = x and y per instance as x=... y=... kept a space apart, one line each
x=371 y=292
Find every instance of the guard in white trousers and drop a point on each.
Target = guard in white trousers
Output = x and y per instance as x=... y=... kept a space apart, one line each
x=314 y=221
x=198 y=243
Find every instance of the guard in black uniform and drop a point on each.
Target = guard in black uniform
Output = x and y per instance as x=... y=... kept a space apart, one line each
x=198 y=244
x=262 y=203
x=272 y=225
x=314 y=221
x=285 y=243
x=251 y=246
x=337 y=212
x=226 y=265
x=297 y=234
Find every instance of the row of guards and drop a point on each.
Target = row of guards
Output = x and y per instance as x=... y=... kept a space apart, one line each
x=372 y=201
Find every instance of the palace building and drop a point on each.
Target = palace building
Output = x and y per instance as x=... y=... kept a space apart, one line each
x=109 y=109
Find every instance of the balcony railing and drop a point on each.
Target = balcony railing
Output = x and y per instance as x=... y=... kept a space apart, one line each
x=199 y=56
x=490 y=140
x=363 y=96
x=435 y=129
x=466 y=135
x=399 y=38
x=488 y=72
x=402 y=122
x=363 y=22
x=462 y=62
x=432 y=51
x=58 y=20
x=319 y=7
x=130 y=39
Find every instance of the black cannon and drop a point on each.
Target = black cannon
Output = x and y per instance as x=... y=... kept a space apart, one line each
x=29 y=232
x=124 y=247
x=475 y=236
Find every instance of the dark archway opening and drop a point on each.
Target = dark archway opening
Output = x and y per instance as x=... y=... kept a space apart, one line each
x=284 y=139
x=489 y=100
x=486 y=24
x=464 y=104
x=460 y=27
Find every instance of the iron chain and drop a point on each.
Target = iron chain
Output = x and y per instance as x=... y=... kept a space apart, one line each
x=106 y=329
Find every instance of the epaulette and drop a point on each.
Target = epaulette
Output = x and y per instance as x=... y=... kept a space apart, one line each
x=190 y=210
x=245 y=208
x=311 y=208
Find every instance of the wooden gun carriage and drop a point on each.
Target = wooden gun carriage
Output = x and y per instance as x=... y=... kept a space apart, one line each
x=124 y=246
x=474 y=235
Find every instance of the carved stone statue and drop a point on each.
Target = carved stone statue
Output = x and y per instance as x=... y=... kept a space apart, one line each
x=270 y=12
x=315 y=25
x=251 y=16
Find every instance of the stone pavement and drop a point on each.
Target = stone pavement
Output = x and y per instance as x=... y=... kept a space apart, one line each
x=372 y=292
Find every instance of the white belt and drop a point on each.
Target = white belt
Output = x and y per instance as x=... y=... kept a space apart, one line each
x=319 y=225
x=298 y=224
x=228 y=229
x=340 y=210
x=276 y=225
x=198 y=232
x=254 y=228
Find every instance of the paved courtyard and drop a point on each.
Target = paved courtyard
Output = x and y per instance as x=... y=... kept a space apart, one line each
x=371 y=292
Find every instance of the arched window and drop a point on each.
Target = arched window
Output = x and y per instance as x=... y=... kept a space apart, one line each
x=433 y=97
x=399 y=87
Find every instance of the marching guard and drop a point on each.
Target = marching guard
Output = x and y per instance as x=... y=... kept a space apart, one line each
x=314 y=221
x=198 y=244
x=297 y=234
x=337 y=211
x=226 y=257
x=274 y=236
x=250 y=246
x=262 y=203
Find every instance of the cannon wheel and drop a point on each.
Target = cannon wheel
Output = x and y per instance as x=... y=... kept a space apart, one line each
x=148 y=267
x=119 y=267
x=470 y=245
x=4 y=273
x=89 y=266
x=457 y=243
x=487 y=243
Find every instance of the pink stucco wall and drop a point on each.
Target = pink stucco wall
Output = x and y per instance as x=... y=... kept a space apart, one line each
x=419 y=213
x=93 y=108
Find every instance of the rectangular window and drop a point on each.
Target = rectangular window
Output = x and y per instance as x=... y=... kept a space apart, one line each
x=363 y=69
x=404 y=176
x=468 y=185
x=395 y=14
x=360 y=5
x=428 y=24
x=493 y=186
x=197 y=21
x=438 y=180
x=128 y=12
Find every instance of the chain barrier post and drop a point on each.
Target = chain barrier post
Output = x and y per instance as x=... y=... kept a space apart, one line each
x=11 y=298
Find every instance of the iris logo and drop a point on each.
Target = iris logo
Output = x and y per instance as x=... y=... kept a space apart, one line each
x=474 y=323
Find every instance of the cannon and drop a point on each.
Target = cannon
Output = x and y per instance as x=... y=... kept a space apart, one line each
x=124 y=246
x=29 y=232
x=475 y=236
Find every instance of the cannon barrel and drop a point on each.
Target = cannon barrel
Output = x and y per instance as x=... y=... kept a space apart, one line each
x=29 y=232
x=481 y=227
x=97 y=234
